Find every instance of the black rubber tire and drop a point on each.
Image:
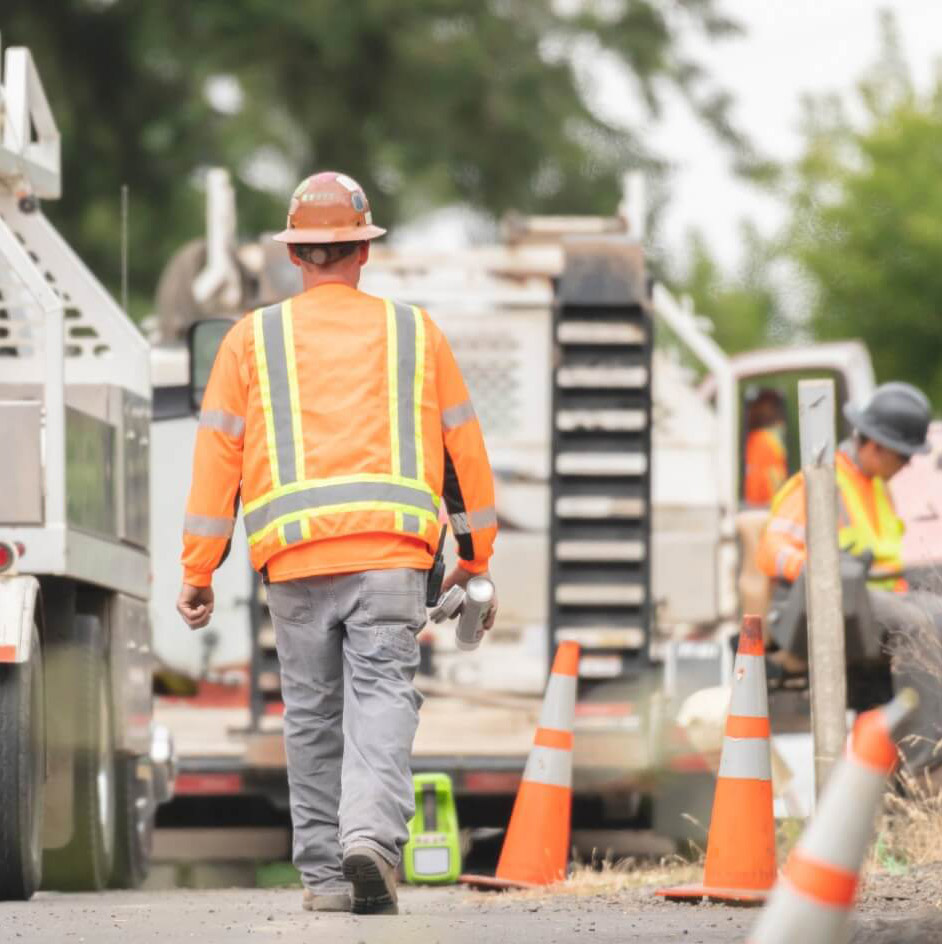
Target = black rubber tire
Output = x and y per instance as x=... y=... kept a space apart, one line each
x=86 y=862
x=22 y=775
x=135 y=826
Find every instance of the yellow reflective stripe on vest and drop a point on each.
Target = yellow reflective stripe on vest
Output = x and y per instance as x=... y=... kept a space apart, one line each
x=405 y=363
x=785 y=491
x=321 y=493
x=884 y=541
x=280 y=398
x=261 y=368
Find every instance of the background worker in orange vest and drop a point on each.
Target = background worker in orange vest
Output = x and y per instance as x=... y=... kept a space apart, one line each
x=340 y=420
x=766 y=459
x=889 y=431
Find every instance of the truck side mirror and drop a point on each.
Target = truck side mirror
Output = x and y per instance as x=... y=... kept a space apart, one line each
x=203 y=340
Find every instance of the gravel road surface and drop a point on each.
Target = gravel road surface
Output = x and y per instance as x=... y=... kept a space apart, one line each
x=429 y=916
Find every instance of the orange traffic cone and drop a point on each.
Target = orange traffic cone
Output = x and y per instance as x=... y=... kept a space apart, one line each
x=536 y=846
x=740 y=859
x=813 y=900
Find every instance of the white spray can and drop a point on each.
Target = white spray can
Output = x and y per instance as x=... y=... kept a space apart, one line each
x=479 y=594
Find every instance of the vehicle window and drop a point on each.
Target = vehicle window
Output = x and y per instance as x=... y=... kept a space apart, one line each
x=768 y=421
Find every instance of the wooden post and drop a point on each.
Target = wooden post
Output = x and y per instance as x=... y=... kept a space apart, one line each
x=827 y=663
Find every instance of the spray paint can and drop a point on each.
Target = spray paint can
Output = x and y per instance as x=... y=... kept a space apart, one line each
x=479 y=594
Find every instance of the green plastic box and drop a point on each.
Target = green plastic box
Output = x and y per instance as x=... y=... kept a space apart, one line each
x=432 y=856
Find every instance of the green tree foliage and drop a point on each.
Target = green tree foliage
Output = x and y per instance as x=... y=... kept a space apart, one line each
x=425 y=102
x=868 y=220
x=744 y=308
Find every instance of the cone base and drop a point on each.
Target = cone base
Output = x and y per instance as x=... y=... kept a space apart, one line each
x=742 y=896
x=490 y=883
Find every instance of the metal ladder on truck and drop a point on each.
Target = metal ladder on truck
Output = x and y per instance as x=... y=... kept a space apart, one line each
x=600 y=472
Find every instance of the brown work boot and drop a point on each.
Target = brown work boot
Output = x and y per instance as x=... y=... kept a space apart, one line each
x=325 y=901
x=374 y=881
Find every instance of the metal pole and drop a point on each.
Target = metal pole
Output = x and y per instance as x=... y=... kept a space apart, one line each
x=827 y=664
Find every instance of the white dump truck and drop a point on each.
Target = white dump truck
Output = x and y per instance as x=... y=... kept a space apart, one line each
x=82 y=763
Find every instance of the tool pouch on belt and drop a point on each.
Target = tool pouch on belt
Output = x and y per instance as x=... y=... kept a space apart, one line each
x=436 y=575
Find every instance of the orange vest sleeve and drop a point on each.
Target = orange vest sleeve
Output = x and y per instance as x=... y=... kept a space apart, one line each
x=469 y=483
x=782 y=548
x=217 y=463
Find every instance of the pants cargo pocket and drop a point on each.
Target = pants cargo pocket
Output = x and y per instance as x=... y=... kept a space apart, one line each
x=393 y=602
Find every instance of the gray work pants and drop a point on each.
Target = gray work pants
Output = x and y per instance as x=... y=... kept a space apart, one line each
x=348 y=656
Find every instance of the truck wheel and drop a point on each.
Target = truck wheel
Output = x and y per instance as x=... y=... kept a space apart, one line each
x=135 y=825
x=86 y=862
x=22 y=775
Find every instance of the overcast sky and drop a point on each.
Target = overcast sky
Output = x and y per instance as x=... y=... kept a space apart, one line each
x=788 y=49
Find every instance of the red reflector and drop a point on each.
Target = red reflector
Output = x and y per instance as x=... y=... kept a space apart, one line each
x=614 y=709
x=207 y=784
x=6 y=557
x=20 y=548
x=7 y=653
x=491 y=781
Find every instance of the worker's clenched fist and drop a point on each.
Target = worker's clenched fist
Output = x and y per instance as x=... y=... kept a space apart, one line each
x=195 y=605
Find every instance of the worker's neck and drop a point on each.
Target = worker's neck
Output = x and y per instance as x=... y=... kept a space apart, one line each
x=313 y=276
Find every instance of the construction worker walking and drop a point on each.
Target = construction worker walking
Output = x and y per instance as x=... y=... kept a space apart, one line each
x=340 y=420
x=888 y=432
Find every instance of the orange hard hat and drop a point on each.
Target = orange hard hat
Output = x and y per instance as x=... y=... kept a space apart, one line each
x=329 y=208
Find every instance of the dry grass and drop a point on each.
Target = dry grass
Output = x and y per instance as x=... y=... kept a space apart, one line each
x=910 y=830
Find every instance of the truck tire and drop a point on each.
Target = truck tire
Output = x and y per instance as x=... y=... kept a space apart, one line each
x=135 y=826
x=22 y=775
x=85 y=863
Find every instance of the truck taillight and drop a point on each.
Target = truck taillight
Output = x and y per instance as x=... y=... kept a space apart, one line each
x=7 y=557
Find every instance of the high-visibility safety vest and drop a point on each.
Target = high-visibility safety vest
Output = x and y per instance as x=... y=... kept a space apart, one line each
x=858 y=532
x=766 y=466
x=337 y=414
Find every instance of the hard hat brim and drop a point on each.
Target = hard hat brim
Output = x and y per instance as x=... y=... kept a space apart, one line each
x=321 y=235
x=856 y=419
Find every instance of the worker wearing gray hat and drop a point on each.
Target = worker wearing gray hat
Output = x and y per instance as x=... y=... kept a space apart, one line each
x=889 y=429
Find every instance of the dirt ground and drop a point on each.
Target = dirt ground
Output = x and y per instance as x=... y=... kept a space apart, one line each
x=902 y=909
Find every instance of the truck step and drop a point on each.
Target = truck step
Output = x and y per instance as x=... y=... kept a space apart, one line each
x=599 y=507
x=601 y=378
x=606 y=421
x=599 y=594
x=600 y=332
x=602 y=637
x=621 y=551
x=601 y=463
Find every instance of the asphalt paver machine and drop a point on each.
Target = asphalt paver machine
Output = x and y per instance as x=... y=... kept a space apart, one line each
x=82 y=766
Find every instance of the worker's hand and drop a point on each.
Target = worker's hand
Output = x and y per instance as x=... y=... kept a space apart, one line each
x=195 y=605
x=459 y=577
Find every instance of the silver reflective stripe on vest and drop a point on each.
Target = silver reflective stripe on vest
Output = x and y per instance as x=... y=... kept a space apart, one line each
x=223 y=422
x=293 y=533
x=549 y=765
x=559 y=703
x=746 y=759
x=405 y=349
x=466 y=522
x=411 y=524
x=323 y=496
x=750 y=694
x=456 y=416
x=207 y=526
x=280 y=390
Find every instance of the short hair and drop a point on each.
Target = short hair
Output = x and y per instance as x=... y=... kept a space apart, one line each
x=322 y=254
